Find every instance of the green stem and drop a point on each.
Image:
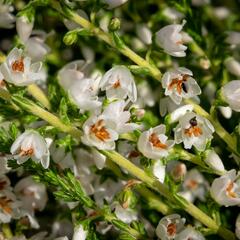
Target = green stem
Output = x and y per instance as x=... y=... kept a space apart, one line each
x=39 y=95
x=7 y=231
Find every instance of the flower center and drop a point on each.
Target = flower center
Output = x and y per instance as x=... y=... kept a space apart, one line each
x=229 y=190
x=156 y=142
x=171 y=229
x=179 y=83
x=117 y=84
x=27 y=152
x=192 y=184
x=100 y=131
x=194 y=130
x=18 y=65
x=4 y=204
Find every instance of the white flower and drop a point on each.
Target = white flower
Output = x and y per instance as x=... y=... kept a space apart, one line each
x=214 y=161
x=170 y=39
x=32 y=145
x=169 y=226
x=194 y=186
x=114 y=3
x=24 y=28
x=100 y=133
x=179 y=112
x=9 y=206
x=225 y=190
x=35 y=46
x=144 y=33
x=167 y=105
x=177 y=170
x=232 y=66
x=82 y=90
x=193 y=130
x=231 y=94
x=226 y=112
x=119 y=83
x=32 y=194
x=79 y=233
x=18 y=69
x=179 y=84
x=154 y=144
x=172 y=14
x=6 y=18
x=189 y=233
x=159 y=171
x=115 y=112
x=5 y=183
x=127 y=215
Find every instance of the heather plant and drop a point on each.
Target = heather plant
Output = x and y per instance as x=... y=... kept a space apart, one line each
x=119 y=119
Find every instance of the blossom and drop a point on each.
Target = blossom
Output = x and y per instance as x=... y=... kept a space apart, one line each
x=214 y=161
x=169 y=226
x=119 y=83
x=233 y=38
x=170 y=39
x=179 y=84
x=100 y=132
x=225 y=190
x=194 y=186
x=32 y=194
x=79 y=233
x=159 y=171
x=177 y=170
x=6 y=18
x=193 y=130
x=144 y=33
x=4 y=183
x=232 y=66
x=32 y=145
x=24 y=28
x=153 y=143
x=189 y=233
x=115 y=112
x=9 y=206
x=231 y=94
x=17 y=69
x=81 y=88
x=127 y=215
x=226 y=112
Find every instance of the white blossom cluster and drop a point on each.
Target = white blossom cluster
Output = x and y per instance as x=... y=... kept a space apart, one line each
x=180 y=151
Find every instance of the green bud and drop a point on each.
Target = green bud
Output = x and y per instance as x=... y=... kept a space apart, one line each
x=70 y=38
x=114 y=25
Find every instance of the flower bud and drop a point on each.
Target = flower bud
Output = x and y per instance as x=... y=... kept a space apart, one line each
x=231 y=94
x=127 y=198
x=226 y=112
x=232 y=66
x=213 y=160
x=24 y=28
x=177 y=170
x=114 y=24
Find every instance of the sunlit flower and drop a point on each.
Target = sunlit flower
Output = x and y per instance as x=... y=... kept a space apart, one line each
x=17 y=69
x=100 y=132
x=231 y=94
x=144 y=33
x=7 y=19
x=79 y=233
x=154 y=144
x=32 y=145
x=233 y=66
x=159 y=171
x=179 y=84
x=193 y=130
x=170 y=226
x=32 y=194
x=127 y=215
x=226 y=112
x=225 y=190
x=170 y=39
x=119 y=83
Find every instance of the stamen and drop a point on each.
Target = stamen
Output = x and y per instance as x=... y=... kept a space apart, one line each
x=179 y=83
x=4 y=204
x=156 y=142
x=229 y=190
x=18 y=65
x=192 y=184
x=100 y=131
x=193 y=131
x=117 y=84
x=171 y=229
x=28 y=152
